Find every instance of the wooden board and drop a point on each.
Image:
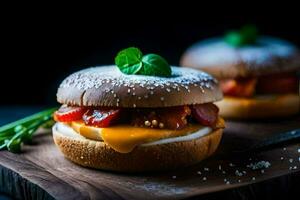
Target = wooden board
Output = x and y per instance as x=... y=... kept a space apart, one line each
x=41 y=171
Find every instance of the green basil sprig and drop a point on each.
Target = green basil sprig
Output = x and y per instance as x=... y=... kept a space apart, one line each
x=247 y=35
x=12 y=135
x=132 y=61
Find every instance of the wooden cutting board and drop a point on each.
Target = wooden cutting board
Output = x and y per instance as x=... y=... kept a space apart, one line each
x=41 y=171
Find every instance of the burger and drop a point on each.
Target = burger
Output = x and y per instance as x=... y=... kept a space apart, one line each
x=259 y=78
x=134 y=122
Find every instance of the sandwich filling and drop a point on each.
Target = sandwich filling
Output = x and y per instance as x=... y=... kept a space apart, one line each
x=124 y=129
x=276 y=84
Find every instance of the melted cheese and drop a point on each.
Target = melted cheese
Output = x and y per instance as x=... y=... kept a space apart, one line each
x=123 y=138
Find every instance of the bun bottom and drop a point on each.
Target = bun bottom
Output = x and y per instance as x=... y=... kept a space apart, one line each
x=259 y=107
x=97 y=154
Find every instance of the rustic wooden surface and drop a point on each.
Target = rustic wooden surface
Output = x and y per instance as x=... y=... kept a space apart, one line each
x=41 y=172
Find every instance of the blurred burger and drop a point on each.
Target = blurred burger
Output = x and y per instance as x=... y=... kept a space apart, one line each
x=136 y=122
x=257 y=74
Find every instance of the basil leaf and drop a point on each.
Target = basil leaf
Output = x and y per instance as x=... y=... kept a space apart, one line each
x=155 y=65
x=129 y=60
x=247 y=35
x=132 y=61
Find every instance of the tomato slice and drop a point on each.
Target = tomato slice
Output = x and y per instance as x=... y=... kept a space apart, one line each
x=241 y=87
x=101 y=117
x=167 y=118
x=69 y=113
x=206 y=114
x=283 y=83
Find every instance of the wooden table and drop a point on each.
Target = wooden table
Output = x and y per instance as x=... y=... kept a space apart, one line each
x=41 y=172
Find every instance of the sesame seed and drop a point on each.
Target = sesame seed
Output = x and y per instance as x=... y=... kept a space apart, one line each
x=281 y=158
x=298 y=150
x=146 y=96
x=227 y=183
x=174 y=177
x=299 y=159
x=295 y=167
x=204 y=178
x=133 y=94
x=168 y=90
x=147 y=123
x=199 y=172
x=223 y=172
x=284 y=149
x=253 y=178
x=151 y=92
x=154 y=122
x=291 y=160
x=81 y=157
x=220 y=167
x=161 y=125
x=162 y=98
x=262 y=171
x=206 y=169
x=115 y=95
x=128 y=91
x=231 y=165
x=239 y=180
x=139 y=98
x=134 y=105
x=225 y=179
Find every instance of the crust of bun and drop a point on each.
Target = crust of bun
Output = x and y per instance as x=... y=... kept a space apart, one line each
x=222 y=61
x=107 y=86
x=96 y=154
x=259 y=108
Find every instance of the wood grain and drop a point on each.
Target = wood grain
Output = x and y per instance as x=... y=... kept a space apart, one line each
x=41 y=171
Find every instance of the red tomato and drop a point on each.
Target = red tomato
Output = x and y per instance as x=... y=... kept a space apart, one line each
x=101 y=117
x=69 y=113
x=241 y=87
x=278 y=84
x=206 y=114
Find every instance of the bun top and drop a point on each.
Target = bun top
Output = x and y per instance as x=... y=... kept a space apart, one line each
x=107 y=86
x=269 y=55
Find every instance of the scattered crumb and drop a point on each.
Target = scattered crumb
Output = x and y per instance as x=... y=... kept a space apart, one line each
x=244 y=172
x=227 y=183
x=206 y=169
x=231 y=165
x=259 y=165
x=204 y=178
x=198 y=172
x=174 y=177
x=281 y=158
x=253 y=178
x=238 y=173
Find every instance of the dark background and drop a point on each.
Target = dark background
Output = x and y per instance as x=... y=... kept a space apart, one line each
x=39 y=49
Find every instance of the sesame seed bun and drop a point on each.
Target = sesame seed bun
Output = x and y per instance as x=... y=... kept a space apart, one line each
x=216 y=57
x=97 y=154
x=107 y=86
x=260 y=107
